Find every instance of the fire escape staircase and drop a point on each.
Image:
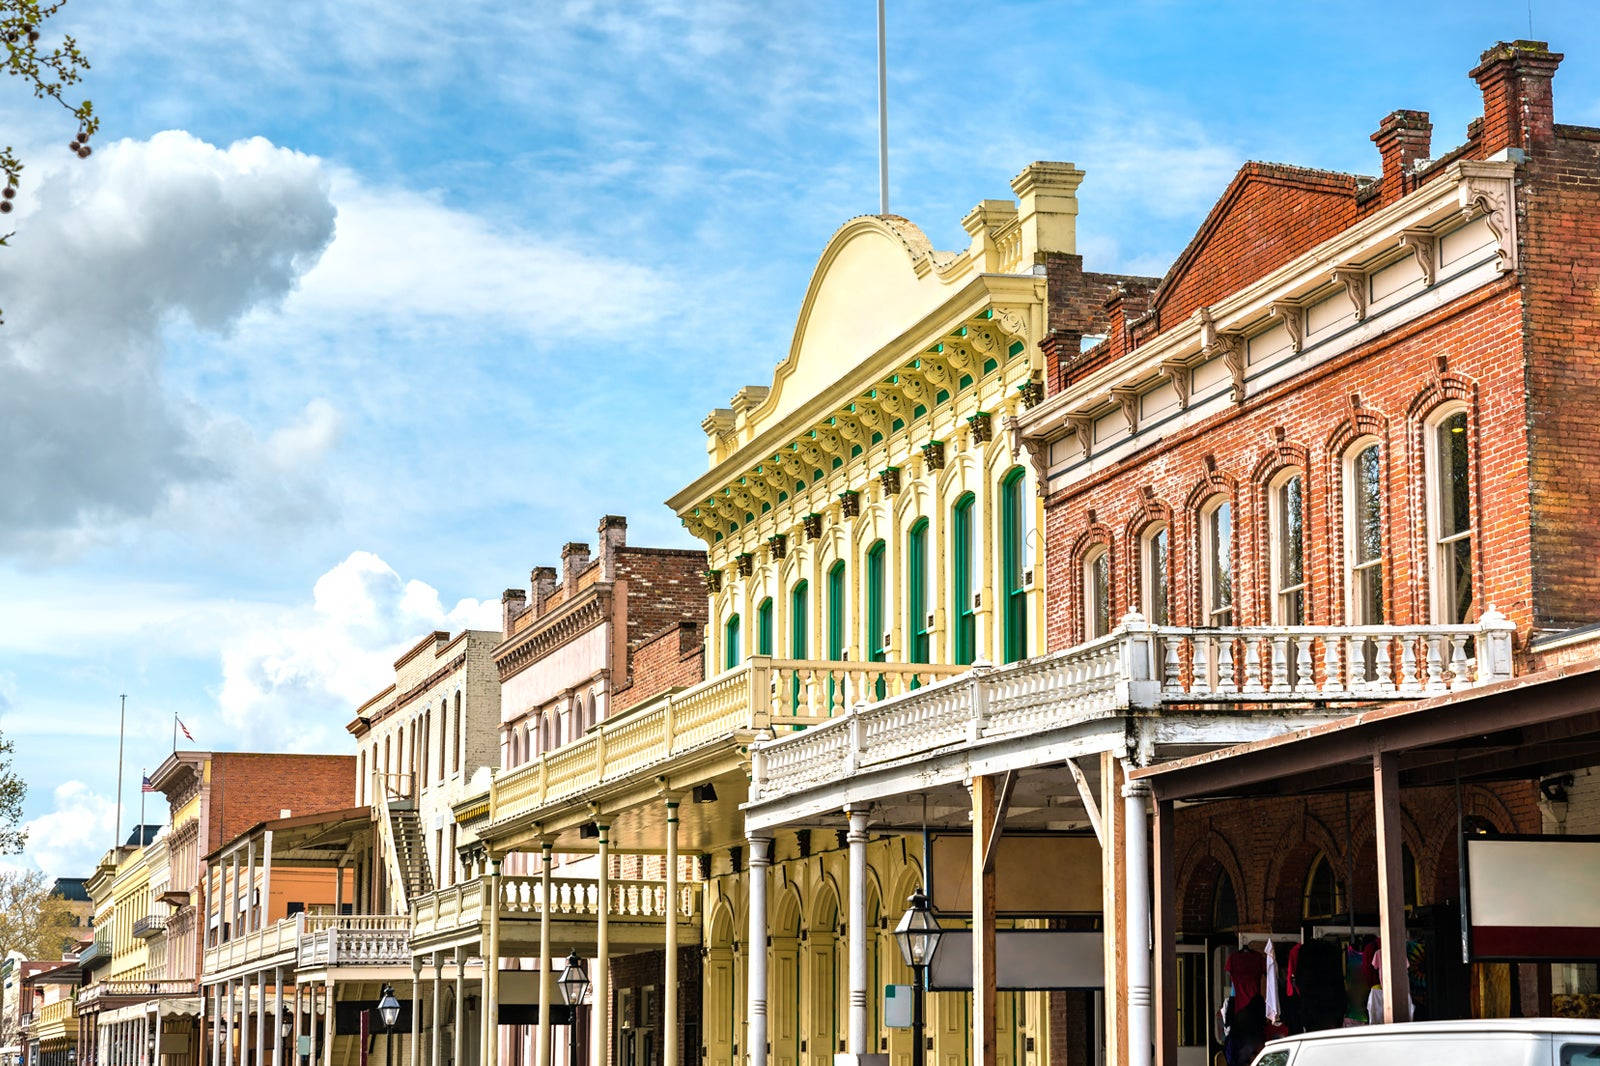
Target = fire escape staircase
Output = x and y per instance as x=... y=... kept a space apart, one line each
x=405 y=854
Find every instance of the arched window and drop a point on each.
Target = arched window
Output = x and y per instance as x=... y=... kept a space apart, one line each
x=1324 y=894
x=444 y=733
x=1450 y=516
x=461 y=739
x=1224 y=904
x=799 y=635
x=1153 y=594
x=730 y=642
x=917 y=628
x=836 y=628
x=575 y=720
x=964 y=634
x=1287 y=515
x=1216 y=562
x=1097 y=593
x=1364 y=532
x=361 y=778
x=764 y=627
x=1013 y=561
x=877 y=647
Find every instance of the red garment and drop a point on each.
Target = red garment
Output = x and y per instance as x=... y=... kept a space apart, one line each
x=1369 y=968
x=1288 y=976
x=1248 y=969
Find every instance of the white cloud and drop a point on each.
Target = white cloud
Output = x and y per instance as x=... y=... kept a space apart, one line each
x=291 y=680
x=70 y=839
x=108 y=253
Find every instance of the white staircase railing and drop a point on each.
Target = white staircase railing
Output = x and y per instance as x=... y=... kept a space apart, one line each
x=1139 y=667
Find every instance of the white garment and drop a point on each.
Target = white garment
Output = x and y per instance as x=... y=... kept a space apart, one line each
x=1274 y=1009
x=1375 y=1005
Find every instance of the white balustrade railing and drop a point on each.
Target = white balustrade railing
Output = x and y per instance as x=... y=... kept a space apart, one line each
x=355 y=940
x=461 y=906
x=1146 y=668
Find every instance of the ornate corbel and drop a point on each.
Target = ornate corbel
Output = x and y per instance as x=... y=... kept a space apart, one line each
x=1032 y=392
x=983 y=337
x=937 y=372
x=713 y=581
x=1421 y=244
x=851 y=429
x=1492 y=196
x=890 y=476
x=872 y=416
x=832 y=442
x=778 y=545
x=747 y=564
x=959 y=354
x=812 y=524
x=933 y=454
x=1013 y=322
x=1128 y=400
x=1355 y=287
x=1039 y=459
x=1177 y=372
x=1083 y=426
x=982 y=426
x=914 y=387
x=850 y=503
x=1293 y=317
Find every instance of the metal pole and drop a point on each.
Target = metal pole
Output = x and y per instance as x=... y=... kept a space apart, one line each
x=122 y=736
x=883 y=118
x=917 y=1021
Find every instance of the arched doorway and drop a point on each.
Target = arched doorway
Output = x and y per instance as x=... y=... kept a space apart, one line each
x=824 y=1000
x=783 y=983
x=723 y=1009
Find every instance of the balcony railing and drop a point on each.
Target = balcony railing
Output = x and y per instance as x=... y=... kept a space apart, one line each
x=1142 y=667
x=148 y=989
x=355 y=940
x=150 y=925
x=463 y=906
x=57 y=1013
x=781 y=694
x=281 y=938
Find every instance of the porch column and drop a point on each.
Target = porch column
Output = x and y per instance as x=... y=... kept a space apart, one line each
x=225 y=1020
x=669 y=997
x=438 y=1002
x=490 y=1055
x=1141 y=1037
x=458 y=1030
x=216 y=1028
x=261 y=1018
x=856 y=923
x=1164 y=933
x=416 y=1011
x=328 y=1029
x=602 y=963
x=1391 y=887
x=266 y=881
x=760 y=859
x=277 y=1017
x=299 y=1022
x=985 y=1016
x=251 y=922
x=542 y=1052
x=245 y=988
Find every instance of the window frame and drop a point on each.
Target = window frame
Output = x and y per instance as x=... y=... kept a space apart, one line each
x=1277 y=535
x=1210 y=607
x=1096 y=618
x=919 y=635
x=730 y=642
x=964 y=633
x=1153 y=573
x=1013 y=563
x=1439 y=545
x=764 y=627
x=1355 y=568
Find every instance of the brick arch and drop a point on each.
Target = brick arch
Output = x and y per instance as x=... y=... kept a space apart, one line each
x=1150 y=512
x=1200 y=870
x=1444 y=390
x=1283 y=455
x=1094 y=535
x=1286 y=874
x=1475 y=802
x=1208 y=488
x=1360 y=424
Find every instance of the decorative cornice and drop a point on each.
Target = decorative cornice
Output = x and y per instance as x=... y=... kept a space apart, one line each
x=591 y=608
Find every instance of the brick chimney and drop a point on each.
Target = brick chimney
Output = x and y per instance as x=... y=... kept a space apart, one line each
x=1404 y=138
x=1518 y=110
x=512 y=603
x=574 y=559
x=1126 y=304
x=543 y=583
x=613 y=536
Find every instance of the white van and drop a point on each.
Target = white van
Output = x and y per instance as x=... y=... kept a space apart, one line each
x=1503 y=1042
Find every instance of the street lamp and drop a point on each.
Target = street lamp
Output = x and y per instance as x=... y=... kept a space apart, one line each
x=574 y=989
x=389 y=1014
x=918 y=935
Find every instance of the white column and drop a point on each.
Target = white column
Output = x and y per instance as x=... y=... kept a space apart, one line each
x=216 y=1026
x=244 y=1022
x=602 y=959
x=416 y=1011
x=857 y=924
x=459 y=1029
x=265 y=914
x=1141 y=1028
x=760 y=859
x=491 y=972
x=542 y=1053
x=261 y=1017
x=251 y=921
x=327 y=1023
x=225 y=1019
x=277 y=1017
x=438 y=1002
x=299 y=1022
x=669 y=997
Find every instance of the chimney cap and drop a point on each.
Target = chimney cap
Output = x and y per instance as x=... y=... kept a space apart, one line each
x=511 y=595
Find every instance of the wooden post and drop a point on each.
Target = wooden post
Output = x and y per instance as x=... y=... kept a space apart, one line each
x=1391 y=887
x=984 y=993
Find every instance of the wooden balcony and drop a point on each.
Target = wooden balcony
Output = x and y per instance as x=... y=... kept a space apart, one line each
x=1144 y=670
x=330 y=940
x=636 y=913
x=117 y=993
x=151 y=925
x=784 y=695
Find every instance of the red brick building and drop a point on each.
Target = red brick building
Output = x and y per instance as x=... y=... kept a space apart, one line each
x=1351 y=401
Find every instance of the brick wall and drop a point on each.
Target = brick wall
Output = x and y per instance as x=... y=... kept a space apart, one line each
x=665 y=586
x=673 y=658
x=647 y=969
x=247 y=788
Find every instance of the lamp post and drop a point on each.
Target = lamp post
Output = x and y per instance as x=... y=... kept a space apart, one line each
x=574 y=989
x=918 y=934
x=389 y=1014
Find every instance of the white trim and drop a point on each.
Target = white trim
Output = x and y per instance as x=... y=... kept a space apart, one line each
x=1210 y=607
x=1347 y=467
x=1433 y=468
x=1275 y=516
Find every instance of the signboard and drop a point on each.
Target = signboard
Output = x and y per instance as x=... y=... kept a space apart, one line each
x=1034 y=874
x=1532 y=898
x=1025 y=960
x=897 y=1006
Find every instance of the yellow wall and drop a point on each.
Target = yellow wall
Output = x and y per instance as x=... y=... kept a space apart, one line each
x=130 y=894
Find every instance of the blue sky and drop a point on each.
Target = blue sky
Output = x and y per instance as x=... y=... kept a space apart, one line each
x=361 y=310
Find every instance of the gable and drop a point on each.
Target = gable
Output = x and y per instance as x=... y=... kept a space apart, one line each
x=1268 y=215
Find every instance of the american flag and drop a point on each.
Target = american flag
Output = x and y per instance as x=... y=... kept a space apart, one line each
x=186 y=734
x=147 y=786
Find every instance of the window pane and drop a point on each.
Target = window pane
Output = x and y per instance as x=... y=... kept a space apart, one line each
x=1454 y=509
x=1155 y=576
x=1291 y=534
x=1369 y=530
x=1098 y=587
x=1221 y=530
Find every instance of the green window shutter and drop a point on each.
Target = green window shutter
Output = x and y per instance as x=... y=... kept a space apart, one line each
x=730 y=643
x=798 y=641
x=965 y=637
x=764 y=627
x=917 y=591
x=875 y=578
x=1012 y=555
x=836 y=629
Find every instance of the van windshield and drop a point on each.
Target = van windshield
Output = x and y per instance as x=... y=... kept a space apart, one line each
x=1409 y=1049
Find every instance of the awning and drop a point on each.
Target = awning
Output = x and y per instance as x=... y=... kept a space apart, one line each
x=173 y=1007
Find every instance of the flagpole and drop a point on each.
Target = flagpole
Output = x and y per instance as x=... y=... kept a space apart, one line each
x=142 y=776
x=883 y=119
x=174 y=730
x=122 y=736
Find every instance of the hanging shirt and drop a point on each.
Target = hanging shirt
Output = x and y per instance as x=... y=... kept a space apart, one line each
x=1274 y=1009
x=1375 y=1005
x=1247 y=969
